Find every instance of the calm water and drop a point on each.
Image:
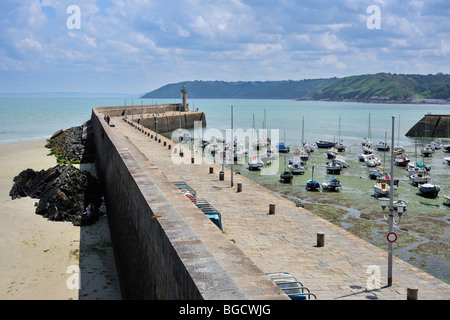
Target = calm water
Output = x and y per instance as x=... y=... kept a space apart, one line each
x=425 y=230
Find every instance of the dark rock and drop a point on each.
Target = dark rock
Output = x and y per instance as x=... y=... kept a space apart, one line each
x=74 y=145
x=64 y=193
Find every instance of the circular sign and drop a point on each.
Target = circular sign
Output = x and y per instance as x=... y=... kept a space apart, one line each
x=391 y=237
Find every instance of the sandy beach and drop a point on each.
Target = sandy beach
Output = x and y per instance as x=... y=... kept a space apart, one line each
x=46 y=260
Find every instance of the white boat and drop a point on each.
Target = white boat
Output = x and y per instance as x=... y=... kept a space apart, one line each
x=436 y=144
x=367 y=149
x=401 y=160
x=418 y=167
x=372 y=161
x=447 y=200
x=333 y=167
x=447 y=159
x=419 y=178
x=341 y=160
x=382 y=187
x=309 y=147
x=427 y=150
x=332 y=152
x=214 y=148
x=383 y=146
x=296 y=164
x=255 y=163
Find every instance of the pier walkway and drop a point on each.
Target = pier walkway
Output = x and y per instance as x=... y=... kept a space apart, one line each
x=287 y=240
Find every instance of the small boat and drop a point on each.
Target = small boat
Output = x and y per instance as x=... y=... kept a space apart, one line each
x=255 y=163
x=341 y=160
x=214 y=148
x=325 y=144
x=367 y=149
x=382 y=187
x=282 y=148
x=309 y=147
x=429 y=190
x=446 y=148
x=366 y=142
x=419 y=178
x=401 y=160
x=377 y=172
x=286 y=176
x=333 y=168
x=436 y=144
x=340 y=147
x=372 y=161
x=311 y=184
x=447 y=159
x=332 y=152
x=383 y=146
x=427 y=150
x=447 y=200
x=399 y=148
x=296 y=164
x=418 y=167
x=332 y=185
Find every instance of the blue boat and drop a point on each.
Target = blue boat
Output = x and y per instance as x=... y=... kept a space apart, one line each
x=325 y=144
x=429 y=190
x=312 y=185
x=282 y=148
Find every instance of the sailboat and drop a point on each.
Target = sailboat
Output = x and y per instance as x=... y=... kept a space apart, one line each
x=398 y=147
x=340 y=146
x=333 y=167
x=286 y=176
x=311 y=184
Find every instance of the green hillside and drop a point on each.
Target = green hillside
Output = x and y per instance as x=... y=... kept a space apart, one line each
x=388 y=87
x=376 y=87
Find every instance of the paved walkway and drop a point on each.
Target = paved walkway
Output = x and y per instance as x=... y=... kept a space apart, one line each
x=287 y=240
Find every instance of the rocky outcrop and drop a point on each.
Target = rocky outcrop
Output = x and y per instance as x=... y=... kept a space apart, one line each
x=64 y=193
x=74 y=145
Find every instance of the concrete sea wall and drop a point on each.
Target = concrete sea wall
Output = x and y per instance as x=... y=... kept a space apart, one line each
x=154 y=256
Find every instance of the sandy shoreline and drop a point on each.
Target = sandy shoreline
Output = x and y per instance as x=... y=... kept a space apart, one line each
x=37 y=256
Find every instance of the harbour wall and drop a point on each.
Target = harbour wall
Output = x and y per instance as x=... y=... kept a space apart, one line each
x=431 y=126
x=168 y=116
x=158 y=255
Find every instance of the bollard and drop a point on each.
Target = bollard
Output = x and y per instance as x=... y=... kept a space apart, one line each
x=239 y=187
x=159 y=140
x=169 y=147
x=165 y=143
x=412 y=293
x=192 y=160
x=320 y=239
x=211 y=170
x=272 y=208
x=221 y=175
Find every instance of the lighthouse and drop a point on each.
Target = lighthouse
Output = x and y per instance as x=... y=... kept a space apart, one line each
x=184 y=103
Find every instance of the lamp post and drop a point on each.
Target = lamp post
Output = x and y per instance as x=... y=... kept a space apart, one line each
x=399 y=206
x=232 y=147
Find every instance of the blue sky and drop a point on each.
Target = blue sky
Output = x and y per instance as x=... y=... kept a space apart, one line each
x=136 y=46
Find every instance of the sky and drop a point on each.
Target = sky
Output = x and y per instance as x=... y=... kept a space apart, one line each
x=136 y=46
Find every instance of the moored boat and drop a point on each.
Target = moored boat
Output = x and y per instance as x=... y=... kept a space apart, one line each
x=311 y=184
x=333 y=167
x=296 y=164
x=429 y=190
x=383 y=146
x=419 y=178
x=325 y=144
x=382 y=187
x=332 y=185
x=286 y=176
x=255 y=163
x=427 y=150
x=401 y=160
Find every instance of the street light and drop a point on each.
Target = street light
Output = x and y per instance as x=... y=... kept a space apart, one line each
x=399 y=206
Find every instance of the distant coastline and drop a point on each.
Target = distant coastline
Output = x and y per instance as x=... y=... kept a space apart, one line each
x=384 y=101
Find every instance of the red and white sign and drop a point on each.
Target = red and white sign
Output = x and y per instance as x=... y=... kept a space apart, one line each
x=391 y=237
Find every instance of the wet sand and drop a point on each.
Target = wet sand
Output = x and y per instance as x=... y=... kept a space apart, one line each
x=47 y=260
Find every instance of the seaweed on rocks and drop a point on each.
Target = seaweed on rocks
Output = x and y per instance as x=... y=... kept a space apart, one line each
x=73 y=145
x=64 y=193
